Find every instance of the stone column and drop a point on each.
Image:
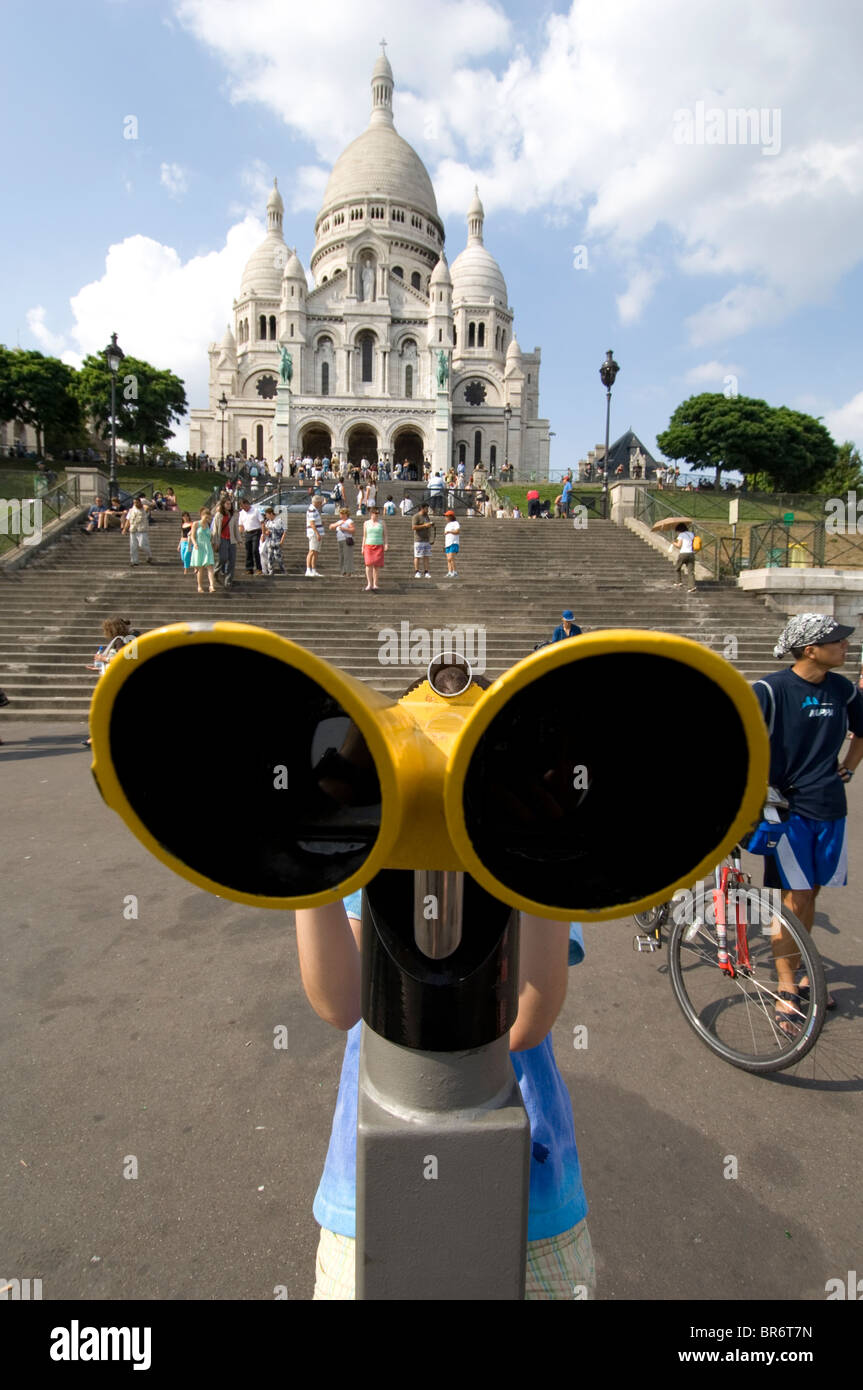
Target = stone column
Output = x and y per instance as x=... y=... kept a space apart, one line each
x=442 y=448
x=624 y=500
x=282 y=423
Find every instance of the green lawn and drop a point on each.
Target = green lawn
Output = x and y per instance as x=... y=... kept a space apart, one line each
x=17 y=481
x=192 y=489
x=706 y=506
x=517 y=492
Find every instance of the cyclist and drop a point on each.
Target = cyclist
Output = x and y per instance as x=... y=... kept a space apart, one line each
x=809 y=708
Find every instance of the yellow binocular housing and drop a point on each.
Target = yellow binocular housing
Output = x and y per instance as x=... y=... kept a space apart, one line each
x=588 y=782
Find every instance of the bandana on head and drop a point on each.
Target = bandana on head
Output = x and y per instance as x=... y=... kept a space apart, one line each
x=809 y=629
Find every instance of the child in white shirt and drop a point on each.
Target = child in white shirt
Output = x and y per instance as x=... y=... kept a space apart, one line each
x=451 y=544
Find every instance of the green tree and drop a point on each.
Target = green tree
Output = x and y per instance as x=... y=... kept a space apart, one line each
x=37 y=391
x=776 y=448
x=724 y=433
x=846 y=475
x=804 y=451
x=7 y=390
x=148 y=400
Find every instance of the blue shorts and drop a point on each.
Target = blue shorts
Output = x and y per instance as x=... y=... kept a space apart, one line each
x=451 y=550
x=811 y=854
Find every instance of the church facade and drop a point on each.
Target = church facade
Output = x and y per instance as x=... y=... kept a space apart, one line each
x=392 y=355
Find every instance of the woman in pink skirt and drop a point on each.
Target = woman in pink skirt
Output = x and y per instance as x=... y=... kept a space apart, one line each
x=374 y=545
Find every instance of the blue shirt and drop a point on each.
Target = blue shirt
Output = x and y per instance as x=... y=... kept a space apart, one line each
x=557 y=1201
x=560 y=632
x=807 y=722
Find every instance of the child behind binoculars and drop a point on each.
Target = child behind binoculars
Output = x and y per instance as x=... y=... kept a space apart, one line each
x=559 y=1254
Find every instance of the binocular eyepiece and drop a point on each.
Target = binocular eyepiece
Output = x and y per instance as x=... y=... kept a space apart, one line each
x=577 y=785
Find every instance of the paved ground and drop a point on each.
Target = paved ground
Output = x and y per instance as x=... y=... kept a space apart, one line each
x=152 y=1039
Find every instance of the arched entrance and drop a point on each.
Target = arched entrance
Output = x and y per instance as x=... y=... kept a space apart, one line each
x=362 y=444
x=408 y=446
x=316 y=442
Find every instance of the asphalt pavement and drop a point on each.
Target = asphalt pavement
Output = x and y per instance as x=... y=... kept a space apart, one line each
x=137 y=1019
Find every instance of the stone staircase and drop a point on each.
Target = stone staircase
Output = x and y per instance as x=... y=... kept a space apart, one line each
x=515 y=578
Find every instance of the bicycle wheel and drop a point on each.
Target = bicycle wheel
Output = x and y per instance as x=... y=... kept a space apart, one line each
x=734 y=1016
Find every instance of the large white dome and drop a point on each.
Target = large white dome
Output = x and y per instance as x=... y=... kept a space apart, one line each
x=380 y=163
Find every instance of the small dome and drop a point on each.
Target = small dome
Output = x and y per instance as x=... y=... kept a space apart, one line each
x=477 y=278
x=263 y=272
x=275 y=198
x=513 y=350
x=476 y=208
x=382 y=68
x=440 y=275
x=294 y=268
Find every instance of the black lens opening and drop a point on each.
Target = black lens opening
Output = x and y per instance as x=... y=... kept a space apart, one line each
x=273 y=792
x=606 y=780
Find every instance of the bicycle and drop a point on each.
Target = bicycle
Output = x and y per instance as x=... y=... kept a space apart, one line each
x=722 y=966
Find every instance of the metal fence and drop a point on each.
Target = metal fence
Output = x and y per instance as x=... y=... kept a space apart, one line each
x=25 y=518
x=780 y=544
x=773 y=543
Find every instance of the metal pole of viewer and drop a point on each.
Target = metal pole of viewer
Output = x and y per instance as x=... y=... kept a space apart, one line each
x=443 y=1139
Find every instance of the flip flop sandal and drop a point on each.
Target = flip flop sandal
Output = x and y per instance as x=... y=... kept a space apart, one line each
x=789 y=1024
x=804 y=993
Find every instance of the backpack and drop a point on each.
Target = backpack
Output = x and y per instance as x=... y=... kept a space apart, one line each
x=696 y=544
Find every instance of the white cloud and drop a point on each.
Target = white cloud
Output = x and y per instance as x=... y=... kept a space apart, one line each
x=847 y=421
x=307 y=189
x=312 y=63
x=173 y=177
x=711 y=373
x=586 y=125
x=51 y=343
x=639 y=291
x=163 y=310
x=744 y=307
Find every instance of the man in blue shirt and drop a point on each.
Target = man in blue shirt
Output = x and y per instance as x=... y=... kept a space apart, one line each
x=565 y=496
x=809 y=708
x=567 y=628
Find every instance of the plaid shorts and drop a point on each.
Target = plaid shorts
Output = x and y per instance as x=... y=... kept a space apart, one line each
x=560 y=1267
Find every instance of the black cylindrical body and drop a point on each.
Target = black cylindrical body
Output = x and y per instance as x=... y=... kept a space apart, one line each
x=466 y=1000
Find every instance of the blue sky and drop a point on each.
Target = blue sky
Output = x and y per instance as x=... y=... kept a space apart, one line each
x=704 y=259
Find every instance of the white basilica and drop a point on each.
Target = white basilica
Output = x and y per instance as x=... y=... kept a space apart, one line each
x=393 y=354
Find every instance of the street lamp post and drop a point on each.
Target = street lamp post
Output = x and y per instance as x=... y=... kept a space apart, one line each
x=223 y=405
x=114 y=355
x=607 y=372
x=507 y=416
